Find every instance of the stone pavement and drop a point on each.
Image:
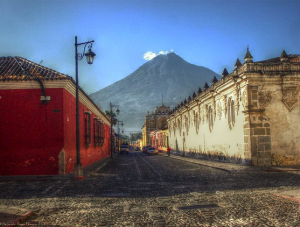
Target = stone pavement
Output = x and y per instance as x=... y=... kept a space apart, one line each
x=12 y=214
x=9 y=215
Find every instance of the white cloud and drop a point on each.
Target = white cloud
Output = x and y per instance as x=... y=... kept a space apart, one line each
x=163 y=52
x=150 y=55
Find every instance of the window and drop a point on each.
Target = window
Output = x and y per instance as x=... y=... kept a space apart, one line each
x=231 y=114
x=96 y=132
x=101 y=141
x=210 y=118
x=87 y=128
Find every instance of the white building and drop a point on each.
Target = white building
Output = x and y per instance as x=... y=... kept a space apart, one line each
x=249 y=116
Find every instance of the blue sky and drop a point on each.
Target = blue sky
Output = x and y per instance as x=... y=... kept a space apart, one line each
x=207 y=33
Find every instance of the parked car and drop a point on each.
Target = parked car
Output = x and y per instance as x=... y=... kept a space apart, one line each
x=145 y=149
x=124 y=149
x=152 y=150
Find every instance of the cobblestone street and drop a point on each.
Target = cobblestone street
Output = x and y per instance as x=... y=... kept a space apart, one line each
x=140 y=190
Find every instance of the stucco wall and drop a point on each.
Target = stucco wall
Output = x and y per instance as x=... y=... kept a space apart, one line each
x=88 y=154
x=283 y=118
x=219 y=143
x=31 y=134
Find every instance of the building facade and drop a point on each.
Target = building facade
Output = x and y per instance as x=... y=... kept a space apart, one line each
x=38 y=121
x=250 y=116
x=154 y=121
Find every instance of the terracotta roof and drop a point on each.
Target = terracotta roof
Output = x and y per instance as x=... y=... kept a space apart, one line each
x=21 y=69
x=18 y=69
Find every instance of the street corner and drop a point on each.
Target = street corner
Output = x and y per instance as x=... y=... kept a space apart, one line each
x=13 y=215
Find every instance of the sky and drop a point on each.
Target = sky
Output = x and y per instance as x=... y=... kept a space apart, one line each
x=128 y=33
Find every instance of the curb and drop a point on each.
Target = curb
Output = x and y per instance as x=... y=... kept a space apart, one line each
x=11 y=216
x=191 y=161
x=86 y=173
x=20 y=219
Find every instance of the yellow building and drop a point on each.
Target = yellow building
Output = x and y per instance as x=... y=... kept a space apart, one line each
x=154 y=121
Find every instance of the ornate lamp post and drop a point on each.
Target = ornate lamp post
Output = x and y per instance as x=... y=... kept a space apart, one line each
x=111 y=126
x=78 y=173
x=122 y=124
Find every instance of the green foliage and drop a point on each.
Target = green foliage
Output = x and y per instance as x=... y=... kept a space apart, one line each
x=135 y=136
x=114 y=117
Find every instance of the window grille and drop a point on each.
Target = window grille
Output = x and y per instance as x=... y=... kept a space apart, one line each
x=96 y=136
x=101 y=133
x=87 y=123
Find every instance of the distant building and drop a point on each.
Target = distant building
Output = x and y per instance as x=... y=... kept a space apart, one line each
x=249 y=116
x=154 y=121
x=38 y=122
x=159 y=138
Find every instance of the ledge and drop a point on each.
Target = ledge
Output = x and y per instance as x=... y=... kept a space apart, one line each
x=254 y=111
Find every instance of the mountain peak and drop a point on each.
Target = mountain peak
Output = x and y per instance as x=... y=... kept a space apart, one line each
x=141 y=91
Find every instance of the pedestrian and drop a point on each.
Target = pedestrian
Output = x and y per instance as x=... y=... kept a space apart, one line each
x=169 y=151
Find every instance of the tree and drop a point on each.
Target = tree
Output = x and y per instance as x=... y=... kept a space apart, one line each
x=114 y=117
x=136 y=136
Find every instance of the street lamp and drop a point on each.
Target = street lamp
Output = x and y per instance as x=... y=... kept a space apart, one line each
x=78 y=172
x=122 y=124
x=111 y=126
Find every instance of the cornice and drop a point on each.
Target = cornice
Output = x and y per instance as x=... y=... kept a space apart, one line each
x=64 y=84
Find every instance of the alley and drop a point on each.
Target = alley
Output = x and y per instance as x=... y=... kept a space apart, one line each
x=140 y=190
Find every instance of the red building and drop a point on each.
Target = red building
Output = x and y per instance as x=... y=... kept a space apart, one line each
x=38 y=122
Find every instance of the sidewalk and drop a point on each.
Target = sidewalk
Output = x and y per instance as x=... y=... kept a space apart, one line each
x=12 y=215
x=87 y=171
x=232 y=167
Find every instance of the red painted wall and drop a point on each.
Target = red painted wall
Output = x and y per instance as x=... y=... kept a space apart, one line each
x=31 y=134
x=90 y=154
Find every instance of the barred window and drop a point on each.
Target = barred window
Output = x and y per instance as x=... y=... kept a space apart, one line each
x=87 y=127
x=96 y=125
x=101 y=133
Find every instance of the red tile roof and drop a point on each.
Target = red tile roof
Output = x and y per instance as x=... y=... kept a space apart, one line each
x=18 y=69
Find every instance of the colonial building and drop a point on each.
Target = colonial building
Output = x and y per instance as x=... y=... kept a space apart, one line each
x=38 y=122
x=249 y=116
x=159 y=138
x=154 y=121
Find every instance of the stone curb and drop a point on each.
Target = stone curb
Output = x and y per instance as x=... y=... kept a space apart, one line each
x=87 y=172
x=231 y=167
x=195 y=162
x=13 y=215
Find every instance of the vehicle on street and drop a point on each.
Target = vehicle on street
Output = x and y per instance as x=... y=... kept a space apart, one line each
x=144 y=150
x=137 y=148
x=152 y=151
x=124 y=149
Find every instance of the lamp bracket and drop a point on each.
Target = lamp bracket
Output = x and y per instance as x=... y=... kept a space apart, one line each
x=81 y=55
